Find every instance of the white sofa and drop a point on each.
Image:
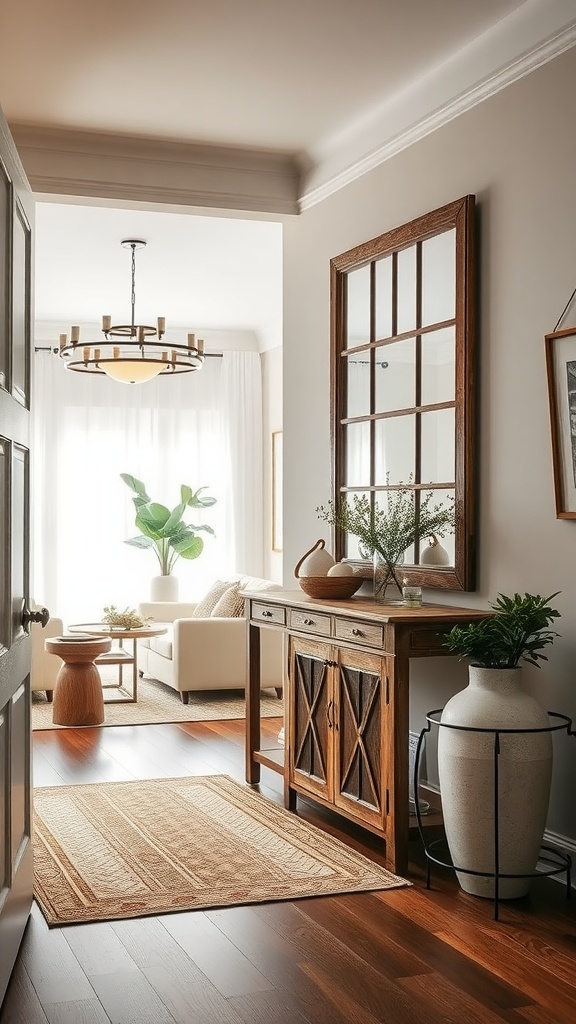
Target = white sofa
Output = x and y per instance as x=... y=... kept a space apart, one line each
x=45 y=667
x=198 y=654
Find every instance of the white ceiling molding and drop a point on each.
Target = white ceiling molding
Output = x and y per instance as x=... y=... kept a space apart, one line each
x=155 y=171
x=108 y=166
x=531 y=36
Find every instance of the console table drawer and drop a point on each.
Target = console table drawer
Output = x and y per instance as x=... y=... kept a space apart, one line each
x=310 y=622
x=268 y=613
x=369 y=633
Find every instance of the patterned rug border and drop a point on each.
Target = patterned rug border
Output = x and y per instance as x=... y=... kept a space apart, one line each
x=159 y=704
x=161 y=867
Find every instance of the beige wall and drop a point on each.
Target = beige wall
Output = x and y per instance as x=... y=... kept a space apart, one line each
x=517 y=153
x=272 y=421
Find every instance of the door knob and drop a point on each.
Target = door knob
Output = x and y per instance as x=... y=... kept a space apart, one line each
x=40 y=615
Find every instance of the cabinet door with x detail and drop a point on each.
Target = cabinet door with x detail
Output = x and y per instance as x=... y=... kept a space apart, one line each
x=311 y=718
x=359 y=735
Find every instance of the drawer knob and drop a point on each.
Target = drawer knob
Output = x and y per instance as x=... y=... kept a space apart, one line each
x=308 y=622
x=266 y=614
x=357 y=632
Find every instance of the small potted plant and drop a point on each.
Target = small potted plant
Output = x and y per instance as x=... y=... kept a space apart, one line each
x=165 y=531
x=492 y=725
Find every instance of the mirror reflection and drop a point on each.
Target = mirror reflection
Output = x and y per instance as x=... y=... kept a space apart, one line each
x=402 y=402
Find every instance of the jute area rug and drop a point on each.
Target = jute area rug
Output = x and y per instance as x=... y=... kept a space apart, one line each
x=130 y=849
x=158 y=703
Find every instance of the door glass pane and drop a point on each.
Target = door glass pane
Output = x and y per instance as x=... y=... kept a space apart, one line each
x=19 y=537
x=438 y=446
x=358 y=309
x=4 y=790
x=5 y=212
x=358 y=385
x=357 y=440
x=394 y=447
x=20 y=306
x=439 y=366
x=383 y=297
x=406 y=290
x=4 y=525
x=394 y=376
x=439 y=278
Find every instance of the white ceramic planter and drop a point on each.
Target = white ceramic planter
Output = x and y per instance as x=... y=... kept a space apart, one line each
x=164 y=588
x=494 y=699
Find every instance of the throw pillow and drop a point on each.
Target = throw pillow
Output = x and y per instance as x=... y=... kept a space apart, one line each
x=204 y=608
x=230 y=605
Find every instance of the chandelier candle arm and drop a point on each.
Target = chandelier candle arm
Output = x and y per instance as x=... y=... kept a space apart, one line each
x=139 y=356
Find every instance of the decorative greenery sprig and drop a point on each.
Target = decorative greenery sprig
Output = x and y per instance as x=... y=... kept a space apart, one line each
x=393 y=529
x=518 y=631
x=128 y=619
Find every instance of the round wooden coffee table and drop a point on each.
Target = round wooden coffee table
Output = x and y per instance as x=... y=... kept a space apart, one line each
x=78 y=698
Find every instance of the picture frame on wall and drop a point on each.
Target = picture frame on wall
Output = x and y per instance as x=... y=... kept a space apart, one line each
x=561 y=375
x=277 y=490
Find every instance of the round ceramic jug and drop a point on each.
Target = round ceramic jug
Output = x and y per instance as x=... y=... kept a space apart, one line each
x=434 y=553
x=494 y=699
x=315 y=562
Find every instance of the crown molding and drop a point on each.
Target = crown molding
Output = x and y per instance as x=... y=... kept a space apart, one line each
x=531 y=36
x=127 y=168
x=158 y=172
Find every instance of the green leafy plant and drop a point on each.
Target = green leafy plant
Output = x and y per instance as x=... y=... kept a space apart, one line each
x=517 y=631
x=164 y=529
x=128 y=619
x=392 y=529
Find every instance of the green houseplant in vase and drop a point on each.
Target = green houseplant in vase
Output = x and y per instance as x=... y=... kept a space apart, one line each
x=386 y=531
x=517 y=631
x=166 y=533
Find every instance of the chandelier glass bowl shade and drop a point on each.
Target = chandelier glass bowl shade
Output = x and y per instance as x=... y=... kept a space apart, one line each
x=132 y=353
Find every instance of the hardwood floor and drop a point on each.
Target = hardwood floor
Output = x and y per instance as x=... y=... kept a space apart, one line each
x=408 y=956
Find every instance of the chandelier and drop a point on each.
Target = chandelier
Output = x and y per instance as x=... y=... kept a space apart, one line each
x=131 y=353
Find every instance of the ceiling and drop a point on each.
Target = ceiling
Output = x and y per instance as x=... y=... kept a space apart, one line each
x=335 y=85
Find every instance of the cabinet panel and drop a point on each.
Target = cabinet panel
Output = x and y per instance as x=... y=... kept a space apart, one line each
x=311 y=717
x=359 y=783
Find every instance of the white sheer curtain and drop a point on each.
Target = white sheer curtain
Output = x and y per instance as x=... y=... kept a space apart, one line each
x=189 y=430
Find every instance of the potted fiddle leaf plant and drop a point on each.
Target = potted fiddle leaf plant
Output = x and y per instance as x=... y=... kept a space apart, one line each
x=495 y=748
x=165 y=531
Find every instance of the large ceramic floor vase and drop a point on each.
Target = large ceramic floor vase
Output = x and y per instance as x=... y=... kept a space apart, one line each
x=494 y=699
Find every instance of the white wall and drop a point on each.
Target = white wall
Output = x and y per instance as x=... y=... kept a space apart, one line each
x=517 y=153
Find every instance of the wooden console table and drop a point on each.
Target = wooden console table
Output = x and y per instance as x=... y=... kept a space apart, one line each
x=346 y=705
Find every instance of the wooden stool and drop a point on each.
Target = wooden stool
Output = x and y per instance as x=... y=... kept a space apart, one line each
x=78 y=698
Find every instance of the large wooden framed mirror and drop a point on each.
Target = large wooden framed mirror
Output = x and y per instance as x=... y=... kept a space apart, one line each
x=402 y=380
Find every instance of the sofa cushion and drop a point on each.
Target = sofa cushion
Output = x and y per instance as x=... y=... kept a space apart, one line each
x=230 y=605
x=205 y=606
x=162 y=645
x=255 y=583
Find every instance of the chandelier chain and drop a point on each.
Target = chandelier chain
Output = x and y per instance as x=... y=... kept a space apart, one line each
x=133 y=247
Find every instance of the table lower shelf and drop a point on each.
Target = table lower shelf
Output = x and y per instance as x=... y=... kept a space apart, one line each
x=118 y=656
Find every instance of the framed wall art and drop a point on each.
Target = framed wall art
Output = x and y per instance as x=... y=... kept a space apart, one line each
x=561 y=373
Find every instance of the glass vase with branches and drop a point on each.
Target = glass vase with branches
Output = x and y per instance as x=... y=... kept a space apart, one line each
x=386 y=532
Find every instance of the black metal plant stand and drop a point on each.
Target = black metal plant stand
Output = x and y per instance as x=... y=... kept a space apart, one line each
x=555 y=862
